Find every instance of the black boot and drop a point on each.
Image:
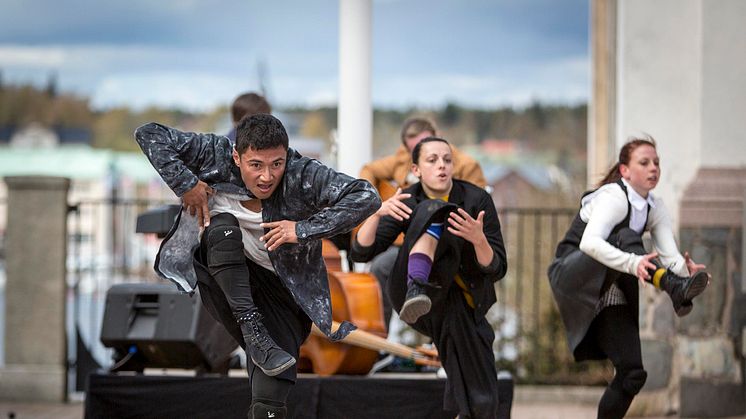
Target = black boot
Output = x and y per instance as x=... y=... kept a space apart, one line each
x=416 y=303
x=261 y=348
x=260 y=410
x=681 y=289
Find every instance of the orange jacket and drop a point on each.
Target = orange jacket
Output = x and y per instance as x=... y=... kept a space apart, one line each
x=394 y=168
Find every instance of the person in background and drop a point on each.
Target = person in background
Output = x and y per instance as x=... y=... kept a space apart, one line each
x=597 y=265
x=244 y=105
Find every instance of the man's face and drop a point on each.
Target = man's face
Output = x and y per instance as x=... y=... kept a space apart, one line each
x=261 y=170
x=412 y=140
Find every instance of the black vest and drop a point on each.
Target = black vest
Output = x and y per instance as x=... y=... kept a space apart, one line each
x=571 y=242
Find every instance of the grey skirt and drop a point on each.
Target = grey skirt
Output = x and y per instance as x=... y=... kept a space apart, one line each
x=577 y=282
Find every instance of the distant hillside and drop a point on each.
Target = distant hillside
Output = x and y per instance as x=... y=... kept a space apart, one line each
x=558 y=131
x=112 y=129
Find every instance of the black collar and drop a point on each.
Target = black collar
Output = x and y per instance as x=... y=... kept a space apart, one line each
x=456 y=196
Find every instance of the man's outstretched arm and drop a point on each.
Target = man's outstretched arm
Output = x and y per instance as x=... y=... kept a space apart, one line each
x=178 y=156
x=344 y=202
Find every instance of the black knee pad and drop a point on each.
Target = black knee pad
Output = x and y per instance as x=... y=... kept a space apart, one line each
x=261 y=410
x=633 y=381
x=224 y=246
x=269 y=390
x=484 y=406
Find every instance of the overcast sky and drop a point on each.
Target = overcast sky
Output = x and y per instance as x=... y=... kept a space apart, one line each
x=197 y=54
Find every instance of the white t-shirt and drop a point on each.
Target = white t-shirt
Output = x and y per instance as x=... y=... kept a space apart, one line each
x=607 y=207
x=249 y=222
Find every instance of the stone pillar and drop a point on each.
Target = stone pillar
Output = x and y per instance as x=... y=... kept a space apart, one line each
x=35 y=339
x=695 y=363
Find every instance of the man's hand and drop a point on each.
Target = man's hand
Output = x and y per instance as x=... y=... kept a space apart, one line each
x=195 y=202
x=280 y=232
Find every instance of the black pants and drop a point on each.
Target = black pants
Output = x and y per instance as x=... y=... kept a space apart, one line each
x=616 y=333
x=464 y=345
x=380 y=267
x=237 y=285
x=463 y=339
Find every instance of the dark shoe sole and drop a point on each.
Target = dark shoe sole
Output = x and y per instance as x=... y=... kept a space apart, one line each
x=277 y=370
x=685 y=308
x=414 y=308
x=698 y=285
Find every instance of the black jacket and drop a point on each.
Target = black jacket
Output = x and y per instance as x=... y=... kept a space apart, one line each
x=322 y=201
x=479 y=279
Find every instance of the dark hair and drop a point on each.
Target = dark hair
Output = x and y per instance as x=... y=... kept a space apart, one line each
x=260 y=132
x=416 y=126
x=418 y=147
x=625 y=154
x=249 y=104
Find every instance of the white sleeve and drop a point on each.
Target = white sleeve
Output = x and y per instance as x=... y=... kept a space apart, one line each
x=607 y=209
x=664 y=241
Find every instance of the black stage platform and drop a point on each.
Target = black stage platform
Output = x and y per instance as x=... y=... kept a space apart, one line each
x=343 y=397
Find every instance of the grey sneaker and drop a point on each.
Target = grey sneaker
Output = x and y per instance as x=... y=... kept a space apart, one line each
x=416 y=303
x=261 y=348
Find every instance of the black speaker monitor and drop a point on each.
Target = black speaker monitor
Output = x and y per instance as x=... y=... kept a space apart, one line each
x=157 y=220
x=156 y=326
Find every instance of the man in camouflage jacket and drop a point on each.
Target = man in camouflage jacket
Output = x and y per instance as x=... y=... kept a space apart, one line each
x=318 y=200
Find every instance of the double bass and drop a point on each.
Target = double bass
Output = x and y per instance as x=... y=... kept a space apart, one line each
x=357 y=298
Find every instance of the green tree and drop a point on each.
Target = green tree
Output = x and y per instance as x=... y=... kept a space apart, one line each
x=451 y=114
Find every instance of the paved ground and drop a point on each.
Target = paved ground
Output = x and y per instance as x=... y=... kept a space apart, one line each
x=41 y=410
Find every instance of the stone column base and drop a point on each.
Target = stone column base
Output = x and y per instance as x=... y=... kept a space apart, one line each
x=46 y=383
x=652 y=403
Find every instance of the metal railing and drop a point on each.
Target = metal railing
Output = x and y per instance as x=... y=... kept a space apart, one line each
x=530 y=338
x=103 y=250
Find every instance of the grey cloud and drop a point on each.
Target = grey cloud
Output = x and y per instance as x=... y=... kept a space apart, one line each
x=420 y=43
x=71 y=22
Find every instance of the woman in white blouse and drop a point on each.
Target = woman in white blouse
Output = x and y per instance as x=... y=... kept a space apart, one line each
x=596 y=267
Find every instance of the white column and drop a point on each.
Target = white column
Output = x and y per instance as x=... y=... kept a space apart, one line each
x=660 y=67
x=355 y=112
